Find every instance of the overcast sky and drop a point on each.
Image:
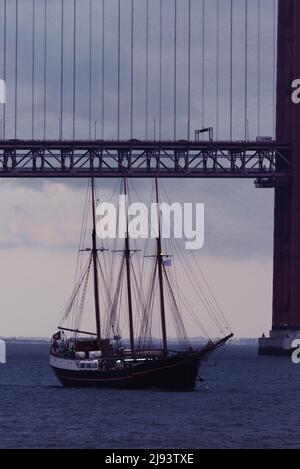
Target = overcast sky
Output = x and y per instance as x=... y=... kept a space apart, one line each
x=40 y=221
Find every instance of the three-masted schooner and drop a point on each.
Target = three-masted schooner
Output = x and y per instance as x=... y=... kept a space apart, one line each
x=102 y=358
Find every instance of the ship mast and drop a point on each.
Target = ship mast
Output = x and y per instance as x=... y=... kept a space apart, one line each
x=95 y=265
x=159 y=257
x=127 y=253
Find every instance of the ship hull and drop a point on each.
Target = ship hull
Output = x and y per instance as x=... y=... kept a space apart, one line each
x=176 y=373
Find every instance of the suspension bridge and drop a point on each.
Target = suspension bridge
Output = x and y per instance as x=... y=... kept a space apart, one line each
x=178 y=89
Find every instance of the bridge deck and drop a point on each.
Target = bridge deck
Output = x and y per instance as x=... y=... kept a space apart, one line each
x=135 y=158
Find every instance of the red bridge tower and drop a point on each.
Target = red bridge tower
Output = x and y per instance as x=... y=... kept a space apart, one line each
x=286 y=283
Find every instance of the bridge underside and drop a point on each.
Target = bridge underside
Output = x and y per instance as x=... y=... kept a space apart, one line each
x=268 y=162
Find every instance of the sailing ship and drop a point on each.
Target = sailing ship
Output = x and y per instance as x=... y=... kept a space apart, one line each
x=102 y=358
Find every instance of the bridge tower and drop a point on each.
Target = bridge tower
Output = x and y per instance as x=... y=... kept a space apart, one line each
x=286 y=277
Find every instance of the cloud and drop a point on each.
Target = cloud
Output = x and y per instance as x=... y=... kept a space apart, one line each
x=238 y=224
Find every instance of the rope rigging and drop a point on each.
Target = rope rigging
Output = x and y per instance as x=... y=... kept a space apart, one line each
x=144 y=287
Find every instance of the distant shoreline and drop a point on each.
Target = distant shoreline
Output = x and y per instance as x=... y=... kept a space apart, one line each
x=202 y=340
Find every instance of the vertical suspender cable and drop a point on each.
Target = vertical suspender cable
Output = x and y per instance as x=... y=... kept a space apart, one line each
x=259 y=67
x=147 y=67
x=160 y=69
x=4 y=64
x=203 y=63
x=103 y=72
x=119 y=66
x=90 y=68
x=246 y=71
x=231 y=69
x=61 y=70
x=74 y=69
x=175 y=70
x=189 y=74
x=16 y=68
x=131 y=73
x=33 y=71
x=45 y=69
x=218 y=71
